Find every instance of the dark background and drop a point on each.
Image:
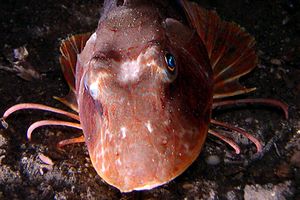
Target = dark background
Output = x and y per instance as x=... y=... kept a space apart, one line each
x=41 y=25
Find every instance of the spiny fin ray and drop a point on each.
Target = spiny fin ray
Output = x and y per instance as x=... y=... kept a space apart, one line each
x=229 y=47
x=70 y=48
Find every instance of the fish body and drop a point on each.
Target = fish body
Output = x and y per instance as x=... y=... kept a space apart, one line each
x=144 y=122
x=144 y=85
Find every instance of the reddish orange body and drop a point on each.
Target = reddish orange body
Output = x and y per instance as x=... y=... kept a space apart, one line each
x=143 y=123
x=144 y=85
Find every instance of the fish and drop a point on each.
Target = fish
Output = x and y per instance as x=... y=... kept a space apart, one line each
x=144 y=85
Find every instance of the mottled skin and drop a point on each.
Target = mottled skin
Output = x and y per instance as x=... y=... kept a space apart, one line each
x=143 y=123
x=144 y=86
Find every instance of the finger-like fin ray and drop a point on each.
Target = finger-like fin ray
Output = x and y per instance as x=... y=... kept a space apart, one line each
x=229 y=47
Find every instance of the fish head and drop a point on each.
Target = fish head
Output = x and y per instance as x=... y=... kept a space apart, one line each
x=144 y=89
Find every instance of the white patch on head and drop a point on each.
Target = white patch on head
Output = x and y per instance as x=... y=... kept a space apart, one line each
x=123 y=132
x=130 y=71
x=94 y=90
x=149 y=127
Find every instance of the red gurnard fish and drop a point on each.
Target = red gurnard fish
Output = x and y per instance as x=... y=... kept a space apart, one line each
x=144 y=85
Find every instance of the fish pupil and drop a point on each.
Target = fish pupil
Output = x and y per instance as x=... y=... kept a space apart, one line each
x=170 y=60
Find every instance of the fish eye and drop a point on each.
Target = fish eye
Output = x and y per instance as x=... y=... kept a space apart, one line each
x=170 y=60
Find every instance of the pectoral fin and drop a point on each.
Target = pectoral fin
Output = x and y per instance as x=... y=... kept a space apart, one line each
x=70 y=48
x=229 y=47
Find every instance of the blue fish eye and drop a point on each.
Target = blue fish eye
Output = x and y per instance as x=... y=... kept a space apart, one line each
x=170 y=60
